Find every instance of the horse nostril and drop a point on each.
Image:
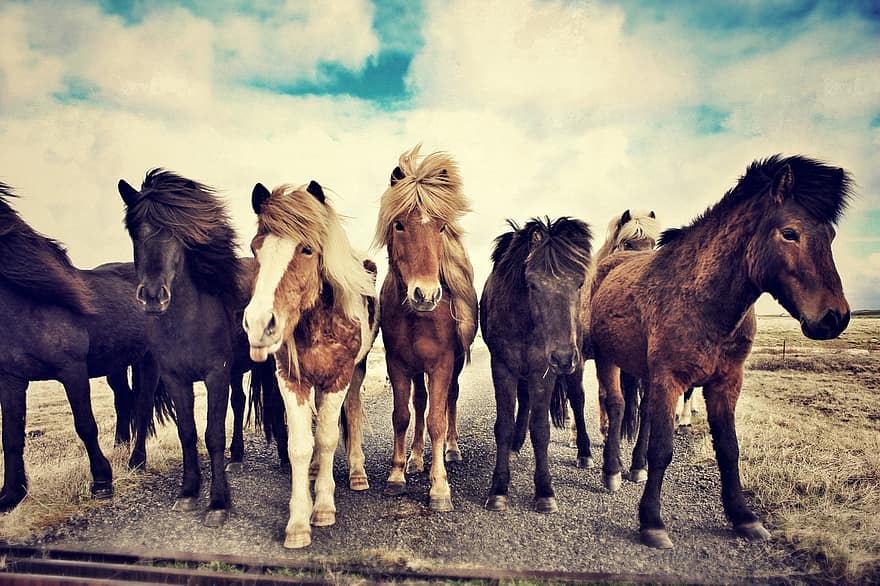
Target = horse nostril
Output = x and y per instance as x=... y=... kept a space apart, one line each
x=139 y=294
x=164 y=294
x=418 y=295
x=270 y=327
x=437 y=295
x=831 y=320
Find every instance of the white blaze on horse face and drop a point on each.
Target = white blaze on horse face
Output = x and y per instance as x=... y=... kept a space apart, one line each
x=273 y=256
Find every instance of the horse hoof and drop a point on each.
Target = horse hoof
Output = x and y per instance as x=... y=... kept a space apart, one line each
x=395 y=488
x=323 y=518
x=102 y=490
x=185 y=504
x=298 y=540
x=216 y=518
x=137 y=464
x=440 y=505
x=585 y=462
x=235 y=468
x=453 y=456
x=656 y=538
x=415 y=466
x=572 y=443
x=612 y=481
x=638 y=475
x=753 y=531
x=546 y=504
x=358 y=483
x=497 y=502
x=684 y=429
x=512 y=456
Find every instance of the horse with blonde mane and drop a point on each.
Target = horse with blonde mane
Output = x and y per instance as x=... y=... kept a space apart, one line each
x=313 y=307
x=429 y=311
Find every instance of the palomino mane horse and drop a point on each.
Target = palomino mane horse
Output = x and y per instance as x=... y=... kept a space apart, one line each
x=194 y=287
x=312 y=307
x=691 y=303
x=428 y=311
x=79 y=326
x=529 y=316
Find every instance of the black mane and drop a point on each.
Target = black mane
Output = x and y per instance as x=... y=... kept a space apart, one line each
x=193 y=214
x=823 y=190
x=38 y=266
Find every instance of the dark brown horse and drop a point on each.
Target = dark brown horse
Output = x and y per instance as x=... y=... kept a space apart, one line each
x=65 y=324
x=683 y=316
x=529 y=317
x=193 y=289
x=428 y=311
x=312 y=307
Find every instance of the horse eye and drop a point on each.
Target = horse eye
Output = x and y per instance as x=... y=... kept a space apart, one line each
x=443 y=228
x=307 y=250
x=790 y=235
x=581 y=286
x=398 y=225
x=627 y=245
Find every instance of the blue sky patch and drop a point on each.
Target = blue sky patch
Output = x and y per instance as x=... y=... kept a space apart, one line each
x=76 y=90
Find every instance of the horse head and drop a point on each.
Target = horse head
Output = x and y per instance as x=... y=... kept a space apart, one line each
x=790 y=256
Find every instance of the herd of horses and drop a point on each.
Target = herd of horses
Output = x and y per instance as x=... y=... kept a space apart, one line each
x=658 y=313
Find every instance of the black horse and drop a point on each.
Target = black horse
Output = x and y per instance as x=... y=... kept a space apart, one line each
x=529 y=317
x=194 y=288
x=65 y=324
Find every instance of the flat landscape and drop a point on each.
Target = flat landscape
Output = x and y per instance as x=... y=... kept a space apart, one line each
x=808 y=421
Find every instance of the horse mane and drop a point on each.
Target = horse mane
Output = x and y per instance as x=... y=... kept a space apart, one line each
x=294 y=213
x=555 y=247
x=642 y=225
x=432 y=185
x=39 y=266
x=824 y=191
x=193 y=214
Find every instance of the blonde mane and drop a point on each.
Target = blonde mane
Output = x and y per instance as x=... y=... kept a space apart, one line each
x=295 y=214
x=642 y=225
x=432 y=185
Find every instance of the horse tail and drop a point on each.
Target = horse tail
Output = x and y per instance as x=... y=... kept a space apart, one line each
x=558 y=402
x=265 y=400
x=631 y=387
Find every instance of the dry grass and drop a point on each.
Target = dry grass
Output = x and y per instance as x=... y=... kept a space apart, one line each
x=808 y=424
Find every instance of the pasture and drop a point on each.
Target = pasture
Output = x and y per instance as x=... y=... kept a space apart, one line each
x=808 y=422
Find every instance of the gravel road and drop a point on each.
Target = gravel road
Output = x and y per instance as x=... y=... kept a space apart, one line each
x=594 y=531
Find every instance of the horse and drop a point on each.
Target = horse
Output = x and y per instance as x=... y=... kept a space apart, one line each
x=313 y=307
x=428 y=311
x=192 y=288
x=79 y=326
x=529 y=318
x=684 y=315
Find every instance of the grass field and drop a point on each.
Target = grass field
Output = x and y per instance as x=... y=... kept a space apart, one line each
x=808 y=422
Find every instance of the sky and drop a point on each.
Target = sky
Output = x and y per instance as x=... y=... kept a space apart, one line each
x=549 y=107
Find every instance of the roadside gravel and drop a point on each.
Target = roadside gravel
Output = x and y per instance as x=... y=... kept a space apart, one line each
x=594 y=531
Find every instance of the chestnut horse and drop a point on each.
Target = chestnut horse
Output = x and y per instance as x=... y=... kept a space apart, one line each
x=428 y=311
x=529 y=317
x=313 y=308
x=193 y=288
x=683 y=315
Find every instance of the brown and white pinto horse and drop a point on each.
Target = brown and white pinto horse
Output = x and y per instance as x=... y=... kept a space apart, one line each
x=311 y=309
x=683 y=316
x=429 y=311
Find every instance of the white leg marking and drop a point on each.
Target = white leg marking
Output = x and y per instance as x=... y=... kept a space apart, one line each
x=299 y=449
x=326 y=439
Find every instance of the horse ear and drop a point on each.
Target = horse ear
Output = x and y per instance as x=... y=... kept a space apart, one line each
x=652 y=215
x=129 y=194
x=783 y=182
x=396 y=175
x=315 y=189
x=258 y=197
x=626 y=217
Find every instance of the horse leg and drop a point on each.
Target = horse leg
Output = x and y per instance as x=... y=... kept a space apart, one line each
x=438 y=388
x=145 y=377
x=416 y=461
x=523 y=410
x=122 y=402
x=13 y=402
x=354 y=419
x=236 y=447
x=326 y=440
x=400 y=384
x=661 y=412
x=300 y=443
x=539 y=430
x=572 y=427
x=181 y=392
x=721 y=396
x=638 y=471
x=217 y=383
x=684 y=417
x=575 y=391
x=453 y=453
x=506 y=389
x=608 y=374
x=603 y=414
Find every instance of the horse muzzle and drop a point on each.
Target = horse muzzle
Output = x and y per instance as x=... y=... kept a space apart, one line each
x=264 y=336
x=423 y=300
x=831 y=325
x=563 y=361
x=154 y=301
